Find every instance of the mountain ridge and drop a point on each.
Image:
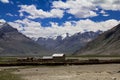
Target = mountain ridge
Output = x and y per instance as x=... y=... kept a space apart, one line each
x=14 y=43
x=69 y=44
x=107 y=43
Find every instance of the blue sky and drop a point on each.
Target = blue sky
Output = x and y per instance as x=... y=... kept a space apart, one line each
x=50 y=18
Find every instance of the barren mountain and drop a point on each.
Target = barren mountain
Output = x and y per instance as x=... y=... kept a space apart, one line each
x=107 y=43
x=14 y=43
x=70 y=43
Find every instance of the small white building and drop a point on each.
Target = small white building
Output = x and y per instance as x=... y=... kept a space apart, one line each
x=58 y=57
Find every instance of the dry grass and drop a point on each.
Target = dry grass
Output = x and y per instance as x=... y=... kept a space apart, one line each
x=81 y=72
x=6 y=74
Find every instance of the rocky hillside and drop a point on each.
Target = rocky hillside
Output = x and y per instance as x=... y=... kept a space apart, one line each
x=70 y=43
x=107 y=43
x=13 y=43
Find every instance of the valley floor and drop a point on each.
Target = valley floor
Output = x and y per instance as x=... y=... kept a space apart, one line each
x=80 y=72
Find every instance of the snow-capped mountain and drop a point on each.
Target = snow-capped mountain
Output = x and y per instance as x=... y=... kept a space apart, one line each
x=68 y=44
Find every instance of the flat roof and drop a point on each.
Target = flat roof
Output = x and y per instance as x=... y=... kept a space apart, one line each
x=58 y=55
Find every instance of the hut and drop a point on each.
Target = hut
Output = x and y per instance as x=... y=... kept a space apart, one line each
x=59 y=57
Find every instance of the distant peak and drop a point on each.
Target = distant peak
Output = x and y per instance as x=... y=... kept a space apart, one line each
x=2 y=23
x=5 y=27
x=6 y=24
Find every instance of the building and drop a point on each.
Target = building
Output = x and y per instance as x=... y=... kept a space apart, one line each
x=47 y=59
x=59 y=57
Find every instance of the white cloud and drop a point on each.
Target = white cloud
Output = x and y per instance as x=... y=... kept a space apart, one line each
x=4 y=1
x=9 y=14
x=104 y=13
x=78 y=8
x=86 y=8
x=39 y=13
x=34 y=29
x=81 y=9
x=89 y=25
x=108 y=4
x=2 y=20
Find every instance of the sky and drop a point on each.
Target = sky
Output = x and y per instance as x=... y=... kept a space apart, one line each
x=51 y=18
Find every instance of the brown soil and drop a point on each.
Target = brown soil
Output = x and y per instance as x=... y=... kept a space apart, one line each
x=80 y=72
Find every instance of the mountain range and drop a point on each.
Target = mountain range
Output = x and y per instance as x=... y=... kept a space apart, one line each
x=108 y=43
x=69 y=44
x=14 y=43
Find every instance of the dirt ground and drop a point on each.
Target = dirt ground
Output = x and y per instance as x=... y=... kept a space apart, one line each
x=79 y=72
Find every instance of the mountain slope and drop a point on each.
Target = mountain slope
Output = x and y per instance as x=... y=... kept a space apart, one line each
x=70 y=43
x=107 y=43
x=13 y=43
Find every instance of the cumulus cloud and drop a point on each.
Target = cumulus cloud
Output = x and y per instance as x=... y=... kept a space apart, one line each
x=34 y=29
x=89 y=25
x=86 y=8
x=108 y=4
x=4 y=1
x=78 y=8
x=39 y=13
x=81 y=9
